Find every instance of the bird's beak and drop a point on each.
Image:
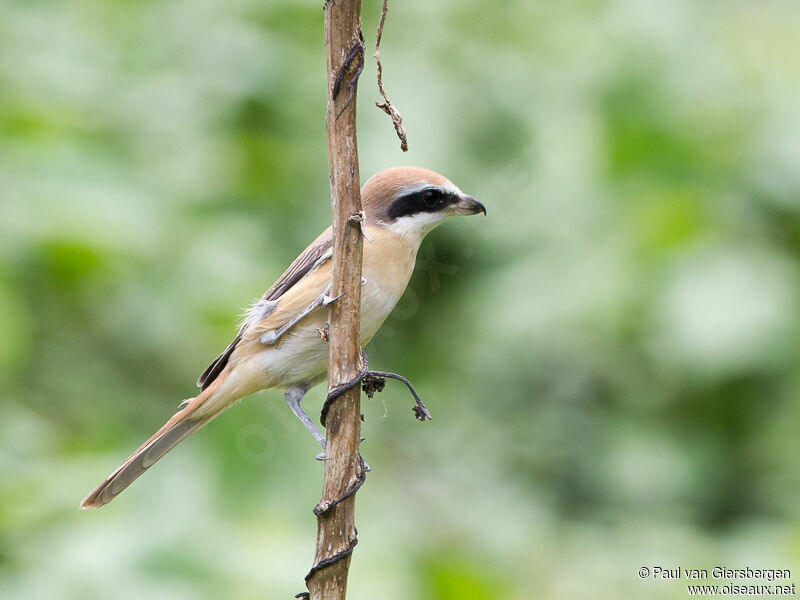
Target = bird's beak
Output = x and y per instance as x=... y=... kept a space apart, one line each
x=467 y=205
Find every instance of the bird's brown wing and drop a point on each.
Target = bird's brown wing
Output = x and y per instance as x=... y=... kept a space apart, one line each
x=317 y=253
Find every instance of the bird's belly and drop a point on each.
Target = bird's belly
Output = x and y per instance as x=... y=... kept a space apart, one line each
x=302 y=354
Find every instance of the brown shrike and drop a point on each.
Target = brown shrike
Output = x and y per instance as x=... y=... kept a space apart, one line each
x=279 y=344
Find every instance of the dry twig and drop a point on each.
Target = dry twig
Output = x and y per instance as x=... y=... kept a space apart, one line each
x=387 y=106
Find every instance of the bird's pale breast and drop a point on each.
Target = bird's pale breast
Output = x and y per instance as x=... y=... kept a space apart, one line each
x=302 y=355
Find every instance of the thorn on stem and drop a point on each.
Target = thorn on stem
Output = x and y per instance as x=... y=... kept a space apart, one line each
x=360 y=219
x=356 y=53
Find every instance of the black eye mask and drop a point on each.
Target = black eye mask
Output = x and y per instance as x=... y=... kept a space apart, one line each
x=427 y=200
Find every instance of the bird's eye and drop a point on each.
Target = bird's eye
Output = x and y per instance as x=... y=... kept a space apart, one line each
x=431 y=198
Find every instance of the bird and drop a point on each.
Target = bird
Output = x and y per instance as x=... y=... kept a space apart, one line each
x=279 y=344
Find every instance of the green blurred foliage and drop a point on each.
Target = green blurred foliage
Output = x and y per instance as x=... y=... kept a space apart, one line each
x=611 y=357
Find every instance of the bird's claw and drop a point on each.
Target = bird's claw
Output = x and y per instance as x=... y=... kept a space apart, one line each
x=269 y=338
x=328 y=300
x=323 y=456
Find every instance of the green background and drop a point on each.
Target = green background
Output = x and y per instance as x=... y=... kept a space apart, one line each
x=611 y=357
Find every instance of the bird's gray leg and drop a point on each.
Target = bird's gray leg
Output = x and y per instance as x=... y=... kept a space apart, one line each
x=273 y=336
x=293 y=396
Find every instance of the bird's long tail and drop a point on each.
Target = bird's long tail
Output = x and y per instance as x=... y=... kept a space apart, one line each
x=185 y=421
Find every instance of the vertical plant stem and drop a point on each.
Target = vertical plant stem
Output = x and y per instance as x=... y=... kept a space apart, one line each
x=336 y=531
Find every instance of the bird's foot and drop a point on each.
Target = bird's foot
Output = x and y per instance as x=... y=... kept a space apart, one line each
x=323 y=456
x=271 y=337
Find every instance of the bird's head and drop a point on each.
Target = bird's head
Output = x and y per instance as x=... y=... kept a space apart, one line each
x=410 y=201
